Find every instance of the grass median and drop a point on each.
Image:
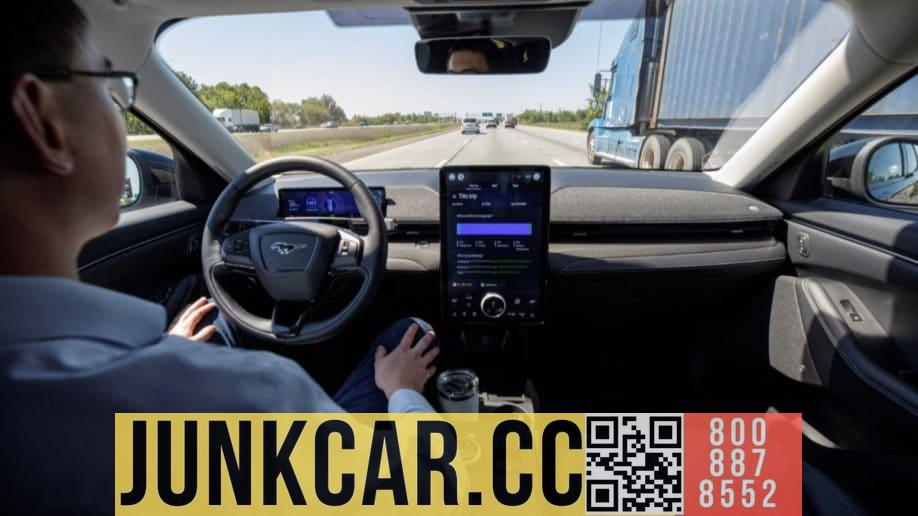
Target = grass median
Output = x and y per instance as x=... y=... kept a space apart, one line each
x=569 y=126
x=325 y=142
x=332 y=146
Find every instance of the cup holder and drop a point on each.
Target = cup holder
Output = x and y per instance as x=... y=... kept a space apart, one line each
x=506 y=404
x=510 y=409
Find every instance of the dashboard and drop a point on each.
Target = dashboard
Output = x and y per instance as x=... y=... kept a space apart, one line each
x=494 y=251
x=605 y=235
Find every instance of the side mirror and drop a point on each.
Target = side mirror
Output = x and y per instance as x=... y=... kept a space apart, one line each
x=482 y=55
x=886 y=170
x=132 y=183
x=597 y=85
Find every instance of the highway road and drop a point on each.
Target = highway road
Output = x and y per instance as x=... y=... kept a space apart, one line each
x=888 y=189
x=524 y=145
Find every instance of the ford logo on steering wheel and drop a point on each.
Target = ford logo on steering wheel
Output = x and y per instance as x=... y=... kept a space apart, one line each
x=285 y=248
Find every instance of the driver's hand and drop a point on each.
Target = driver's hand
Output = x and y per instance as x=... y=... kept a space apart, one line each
x=185 y=325
x=406 y=366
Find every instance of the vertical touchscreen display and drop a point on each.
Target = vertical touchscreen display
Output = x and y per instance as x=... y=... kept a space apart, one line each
x=494 y=222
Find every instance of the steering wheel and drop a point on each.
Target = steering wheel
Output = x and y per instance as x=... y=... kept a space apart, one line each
x=294 y=260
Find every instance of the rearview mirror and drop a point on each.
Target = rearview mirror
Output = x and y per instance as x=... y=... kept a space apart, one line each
x=597 y=85
x=483 y=55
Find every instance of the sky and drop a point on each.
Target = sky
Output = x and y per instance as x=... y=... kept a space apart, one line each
x=371 y=70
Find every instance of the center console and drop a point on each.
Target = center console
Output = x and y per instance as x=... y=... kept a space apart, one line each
x=494 y=245
x=493 y=280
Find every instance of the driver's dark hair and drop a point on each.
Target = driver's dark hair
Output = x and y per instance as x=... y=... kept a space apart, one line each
x=485 y=46
x=36 y=34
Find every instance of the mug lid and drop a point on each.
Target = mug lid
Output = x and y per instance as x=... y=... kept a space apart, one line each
x=457 y=384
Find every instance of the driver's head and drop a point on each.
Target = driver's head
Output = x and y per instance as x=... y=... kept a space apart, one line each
x=470 y=56
x=62 y=138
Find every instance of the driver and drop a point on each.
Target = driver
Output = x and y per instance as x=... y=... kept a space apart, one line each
x=471 y=56
x=71 y=354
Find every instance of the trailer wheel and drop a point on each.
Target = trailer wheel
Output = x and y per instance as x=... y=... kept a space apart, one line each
x=654 y=152
x=685 y=154
x=591 y=150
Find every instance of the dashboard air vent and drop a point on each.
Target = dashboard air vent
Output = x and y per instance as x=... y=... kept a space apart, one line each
x=415 y=232
x=564 y=232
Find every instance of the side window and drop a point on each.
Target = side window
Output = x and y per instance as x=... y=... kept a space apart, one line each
x=609 y=109
x=149 y=173
x=875 y=157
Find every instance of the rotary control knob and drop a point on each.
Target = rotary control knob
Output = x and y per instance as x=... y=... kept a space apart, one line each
x=493 y=305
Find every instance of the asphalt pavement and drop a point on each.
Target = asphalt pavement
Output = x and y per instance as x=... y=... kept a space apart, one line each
x=893 y=187
x=525 y=145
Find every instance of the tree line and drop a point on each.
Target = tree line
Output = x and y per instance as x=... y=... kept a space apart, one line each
x=307 y=112
x=220 y=95
x=583 y=116
x=399 y=118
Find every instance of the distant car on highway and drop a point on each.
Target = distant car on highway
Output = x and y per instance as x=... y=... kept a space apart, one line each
x=331 y=124
x=237 y=120
x=491 y=123
x=510 y=123
x=268 y=128
x=470 y=125
x=363 y=123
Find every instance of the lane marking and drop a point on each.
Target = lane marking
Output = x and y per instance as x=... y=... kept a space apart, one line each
x=460 y=149
x=399 y=148
x=440 y=164
x=559 y=162
x=524 y=142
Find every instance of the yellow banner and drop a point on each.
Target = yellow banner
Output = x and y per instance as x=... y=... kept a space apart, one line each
x=405 y=464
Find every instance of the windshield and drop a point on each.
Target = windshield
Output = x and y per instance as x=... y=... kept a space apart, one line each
x=681 y=86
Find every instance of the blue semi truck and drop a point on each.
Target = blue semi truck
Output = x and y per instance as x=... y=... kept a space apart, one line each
x=689 y=71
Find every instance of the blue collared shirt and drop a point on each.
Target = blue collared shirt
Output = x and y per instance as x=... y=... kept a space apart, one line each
x=72 y=355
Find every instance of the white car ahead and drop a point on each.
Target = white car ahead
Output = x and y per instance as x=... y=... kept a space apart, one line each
x=470 y=125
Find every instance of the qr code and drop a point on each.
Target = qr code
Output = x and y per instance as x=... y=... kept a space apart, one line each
x=634 y=463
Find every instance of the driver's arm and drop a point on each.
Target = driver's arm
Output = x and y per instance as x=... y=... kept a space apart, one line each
x=402 y=373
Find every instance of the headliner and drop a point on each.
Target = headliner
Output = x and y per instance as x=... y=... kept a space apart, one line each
x=367 y=12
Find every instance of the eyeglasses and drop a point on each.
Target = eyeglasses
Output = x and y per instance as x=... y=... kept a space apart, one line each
x=121 y=85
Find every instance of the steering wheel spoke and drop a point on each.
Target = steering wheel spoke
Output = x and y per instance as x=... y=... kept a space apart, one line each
x=288 y=317
x=236 y=252
x=349 y=253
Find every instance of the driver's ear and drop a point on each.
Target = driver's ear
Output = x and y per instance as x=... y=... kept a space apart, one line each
x=38 y=118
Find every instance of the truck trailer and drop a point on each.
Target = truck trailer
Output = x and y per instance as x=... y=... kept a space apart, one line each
x=238 y=120
x=687 y=71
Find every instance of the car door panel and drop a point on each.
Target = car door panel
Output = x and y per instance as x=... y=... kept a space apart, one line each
x=153 y=253
x=893 y=231
x=873 y=253
x=847 y=321
x=847 y=364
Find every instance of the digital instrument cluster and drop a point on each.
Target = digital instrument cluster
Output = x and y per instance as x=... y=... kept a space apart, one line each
x=324 y=202
x=494 y=250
